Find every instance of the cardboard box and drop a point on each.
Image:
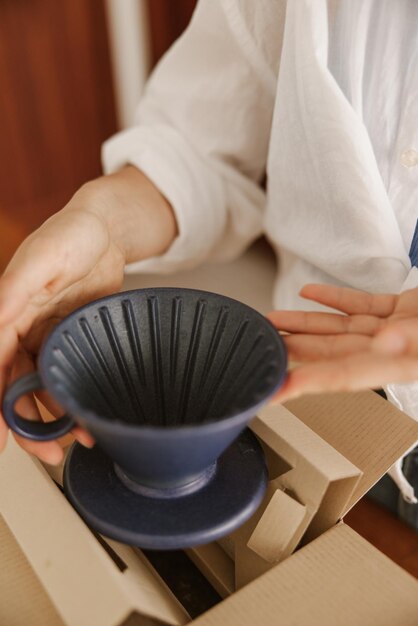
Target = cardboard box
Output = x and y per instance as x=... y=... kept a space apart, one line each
x=323 y=453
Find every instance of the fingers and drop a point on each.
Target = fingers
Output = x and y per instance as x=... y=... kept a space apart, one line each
x=314 y=347
x=351 y=301
x=407 y=305
x=83 y=437
x=374 y=344
x=352 y=373
x=3 y=426
x=47 y=451
x=54 y=258
x=8 y=346
x=324 y=323
x=49 y=408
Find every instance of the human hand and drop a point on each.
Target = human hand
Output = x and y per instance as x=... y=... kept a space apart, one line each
x=372 y=342
x=76 y=256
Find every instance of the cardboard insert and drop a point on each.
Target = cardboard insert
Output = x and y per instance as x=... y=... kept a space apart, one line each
x=322 y=457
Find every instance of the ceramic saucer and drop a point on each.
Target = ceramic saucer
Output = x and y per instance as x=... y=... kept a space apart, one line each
x=226 y=501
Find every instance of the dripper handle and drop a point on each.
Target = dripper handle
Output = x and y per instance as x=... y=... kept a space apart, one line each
x=37 y=431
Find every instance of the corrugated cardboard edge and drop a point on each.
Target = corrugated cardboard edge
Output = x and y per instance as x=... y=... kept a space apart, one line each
x=270 y=538
x=311 y=459
x=216 y=566
x=304 y=470
x=18 y=581
x=366 y=429
x=69 y=562
x=316 y=469
x=339 y=578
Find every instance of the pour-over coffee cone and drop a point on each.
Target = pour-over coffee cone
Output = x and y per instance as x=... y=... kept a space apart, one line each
x=164 y=380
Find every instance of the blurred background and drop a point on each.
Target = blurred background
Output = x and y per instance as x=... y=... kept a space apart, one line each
x=71 y=73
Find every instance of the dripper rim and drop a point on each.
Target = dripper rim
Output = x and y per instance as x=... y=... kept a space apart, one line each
x=76 y=410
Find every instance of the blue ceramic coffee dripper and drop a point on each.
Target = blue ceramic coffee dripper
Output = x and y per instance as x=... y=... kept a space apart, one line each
x=165 y=380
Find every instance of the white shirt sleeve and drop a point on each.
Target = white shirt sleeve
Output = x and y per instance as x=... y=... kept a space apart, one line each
x=203 y=129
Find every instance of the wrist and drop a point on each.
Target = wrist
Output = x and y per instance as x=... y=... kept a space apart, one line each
x=139 y=220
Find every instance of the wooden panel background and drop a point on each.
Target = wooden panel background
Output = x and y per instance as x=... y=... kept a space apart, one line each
x=168 y=19
x=57 y=102
x=56 y=107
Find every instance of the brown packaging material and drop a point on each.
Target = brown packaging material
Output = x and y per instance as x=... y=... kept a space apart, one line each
x=82 y=580
x=313 y=484
x=310 y=484
x=23 y=599
x=337 y=580
x=336 y=572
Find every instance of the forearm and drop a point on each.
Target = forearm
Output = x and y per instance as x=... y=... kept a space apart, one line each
x=140 y=221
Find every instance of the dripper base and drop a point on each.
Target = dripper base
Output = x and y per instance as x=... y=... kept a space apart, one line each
x=166 y=492
x=220 y=506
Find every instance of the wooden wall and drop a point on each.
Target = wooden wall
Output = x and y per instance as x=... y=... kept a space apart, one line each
x=56 y=107
x=57 y=103
x=168 y=19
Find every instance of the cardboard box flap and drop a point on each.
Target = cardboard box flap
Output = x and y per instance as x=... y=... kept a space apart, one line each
x=291 y=440
x=319 y=476
x=17 y=581
x=279 y=524
x=59 y=547
x=368 y=430
x=339 y=578
x=217 y=567
x=310 y=483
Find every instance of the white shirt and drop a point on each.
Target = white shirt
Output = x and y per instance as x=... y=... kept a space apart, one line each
x=322 y=97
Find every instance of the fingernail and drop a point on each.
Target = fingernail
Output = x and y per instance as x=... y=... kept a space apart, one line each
x=389 y=343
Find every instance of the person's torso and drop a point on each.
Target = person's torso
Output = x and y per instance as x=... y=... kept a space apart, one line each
x=343 y=162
